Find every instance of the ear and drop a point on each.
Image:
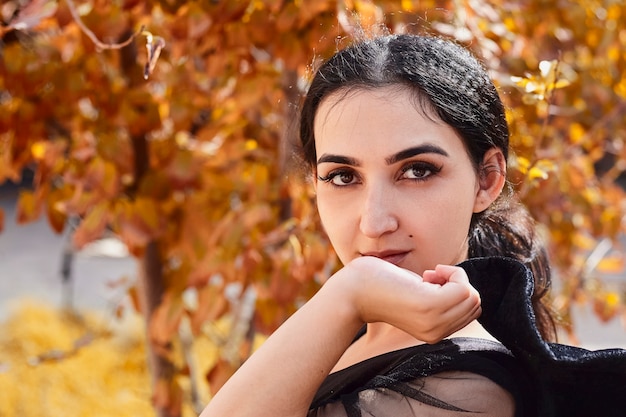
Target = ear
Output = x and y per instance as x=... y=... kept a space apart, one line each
x=491 y=179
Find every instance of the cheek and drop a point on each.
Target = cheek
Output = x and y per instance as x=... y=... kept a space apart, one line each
x=337 y=218
x=441 y=218
x=325 y=210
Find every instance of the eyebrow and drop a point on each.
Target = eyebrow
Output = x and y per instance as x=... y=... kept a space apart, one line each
x=417 y=150
x=338 y=159
x=397 y=157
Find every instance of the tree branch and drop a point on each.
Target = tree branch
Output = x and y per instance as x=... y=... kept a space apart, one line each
x=93 y=37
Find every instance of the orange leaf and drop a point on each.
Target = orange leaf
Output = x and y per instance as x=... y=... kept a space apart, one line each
x=606 y=305
x=92 y=226
x=165 y=320
x=28 y=207
x=138 y=222
x=94 y=176
x=168 y=396
x=147 y=211
x=369 y=14
x=134 y=298
x=155 y=184
x=255 y=215
x=212 y=304
x=184 y=169
x=110 y=179
x=287 y=18
x=219 y=374
x=56 y=216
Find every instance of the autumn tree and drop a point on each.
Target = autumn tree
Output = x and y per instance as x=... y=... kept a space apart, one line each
x=169 y=123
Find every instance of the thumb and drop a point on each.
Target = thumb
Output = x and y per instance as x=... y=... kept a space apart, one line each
x=443 y=274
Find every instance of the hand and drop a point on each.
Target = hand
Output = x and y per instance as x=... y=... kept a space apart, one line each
x=429 y=308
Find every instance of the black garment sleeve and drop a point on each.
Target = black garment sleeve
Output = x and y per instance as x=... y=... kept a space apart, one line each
x=567 y=380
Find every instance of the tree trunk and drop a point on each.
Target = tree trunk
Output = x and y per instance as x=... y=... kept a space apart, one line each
x=151 y=290
x=151 y=286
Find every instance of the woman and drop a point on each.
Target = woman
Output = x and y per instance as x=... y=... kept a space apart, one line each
x=407 y=142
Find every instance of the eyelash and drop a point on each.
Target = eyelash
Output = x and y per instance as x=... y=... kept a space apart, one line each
x=333 y=174
x=424 y=166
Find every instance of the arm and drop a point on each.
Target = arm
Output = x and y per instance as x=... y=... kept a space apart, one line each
x=282 y=376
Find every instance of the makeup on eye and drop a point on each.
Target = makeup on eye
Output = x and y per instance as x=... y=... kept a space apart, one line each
x=412 y=171
x=345 y=175
x=421 y=171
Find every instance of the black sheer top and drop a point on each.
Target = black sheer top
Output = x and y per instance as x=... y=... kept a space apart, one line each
x=523 y=376
x=460 y=376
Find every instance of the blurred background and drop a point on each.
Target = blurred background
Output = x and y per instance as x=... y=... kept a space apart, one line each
x=154 y=227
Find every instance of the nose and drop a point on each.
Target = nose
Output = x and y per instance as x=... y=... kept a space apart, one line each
x=377 y=212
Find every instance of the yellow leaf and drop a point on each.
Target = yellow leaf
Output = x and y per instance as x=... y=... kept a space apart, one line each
x=28 y=207
x=110 y=180
x=537 y=173
x=611 y=265
x=296 y=246
x=576 y=133
x=583 y=241
x=369 y=13
x=54 y=204
x=38 y=150
x=612 y=299
x=614 y=11
x=146 y=209
x=561 y=83
x=521 y=164
x=546 y=165
x=592 y=195
x=606 y=304
x=531 y=99
x=519 y=81
x=534 y=86
x=407 y=5
x=620 y=88
x=251 y=145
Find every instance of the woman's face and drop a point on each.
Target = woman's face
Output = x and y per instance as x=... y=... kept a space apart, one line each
x=392 y=183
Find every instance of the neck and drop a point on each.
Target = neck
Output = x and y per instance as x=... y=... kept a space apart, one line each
x=381 y=337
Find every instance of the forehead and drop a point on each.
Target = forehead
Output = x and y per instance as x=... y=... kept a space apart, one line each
x=378 y=120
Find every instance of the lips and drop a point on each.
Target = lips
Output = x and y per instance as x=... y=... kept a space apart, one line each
x=394 y=257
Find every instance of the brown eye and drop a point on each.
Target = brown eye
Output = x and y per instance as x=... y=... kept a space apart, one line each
x=340 y=178
x=343 y=178
x=419 y=171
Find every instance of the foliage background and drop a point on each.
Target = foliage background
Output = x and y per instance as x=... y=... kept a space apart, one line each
x=190 y=166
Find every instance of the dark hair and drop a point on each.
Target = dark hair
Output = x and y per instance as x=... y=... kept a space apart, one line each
x=449 y=84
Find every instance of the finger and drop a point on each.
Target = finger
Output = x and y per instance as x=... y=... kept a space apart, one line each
x=453 y=293
x=431 y=276
x=453 y=273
